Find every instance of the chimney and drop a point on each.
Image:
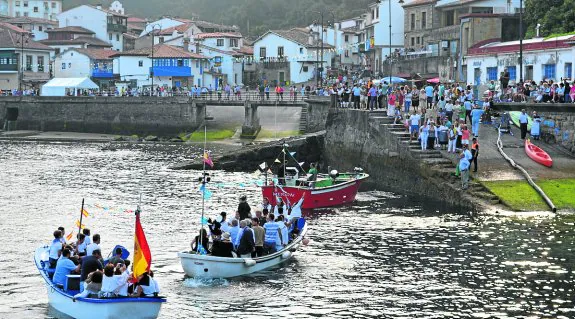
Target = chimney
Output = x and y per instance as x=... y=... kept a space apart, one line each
x=186 y=43
x=198 y=51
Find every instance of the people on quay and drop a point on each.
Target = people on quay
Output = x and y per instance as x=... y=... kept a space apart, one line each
x=474 y=153
x=464 y=170
x=523 y=121
x=536 y=126
x=424 y=135
x=476 y=115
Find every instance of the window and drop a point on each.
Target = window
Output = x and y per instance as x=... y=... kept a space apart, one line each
x=300 y=50
x=18 y=14
x=57 y=51
x=234 y=43
x=482 y=10
x=280 y=52
x=347 y=53
x=161 y=39
x=117 y=37
x=449 y=17
x=512 y=73
x=412 y=22
x=305 y=68
x=492 y=74
x=53 y=5
x=412 y=41
x=346 y=38
x=17 y=3
x=417 y=40
x=25 y=13
x=549 y=71
x=568 y=70
x=263 y=52
x=35 y=9
x=424 y=20
x=141 y=63
x=46 y=5
x=110 y=36
x=28 y=63
x=40 y=64
x=25 y=4
x=220 y=42
x=40 y=28
x=180 y=62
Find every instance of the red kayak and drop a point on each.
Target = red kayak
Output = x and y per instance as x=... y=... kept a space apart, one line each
x=537 y=154
x=327 y=191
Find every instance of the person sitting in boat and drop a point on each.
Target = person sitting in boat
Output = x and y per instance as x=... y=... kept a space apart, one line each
x=55 y=249
x=200 y=243
x=266 y=204
x=117 y=259
x=93 y=285
x=244 y=208
x=145 y=286
x=64 y=267
x=246 y=243
x=283 y=233
x=114 y=278
x=259 y=234
x=271 y=228
x=89 y=265
x=312 y=175
x=223 y=247
x=123 y=289
x=81 y=245
x=95 y=244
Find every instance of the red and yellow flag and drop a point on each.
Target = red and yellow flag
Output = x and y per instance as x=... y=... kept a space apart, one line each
x=142 y=254
x=78 y=224
x=69 y=237
x=85 y=213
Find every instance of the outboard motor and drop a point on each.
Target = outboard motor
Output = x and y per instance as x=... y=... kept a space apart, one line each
x=333 y=174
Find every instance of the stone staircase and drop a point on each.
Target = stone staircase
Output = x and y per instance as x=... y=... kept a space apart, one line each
x=303 y=120
x=439 y=166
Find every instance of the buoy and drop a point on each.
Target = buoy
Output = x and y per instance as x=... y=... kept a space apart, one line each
x=249 y=262
x=305 y=241
x=286 y=255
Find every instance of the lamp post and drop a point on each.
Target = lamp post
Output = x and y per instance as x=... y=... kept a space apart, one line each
x=153 y=43
x=520 y=41
x=24 y=37
x=390 y=59
x=319 y=78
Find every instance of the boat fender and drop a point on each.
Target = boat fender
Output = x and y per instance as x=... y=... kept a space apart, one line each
x=305 y=241
x=249 y=262
x=286 y=255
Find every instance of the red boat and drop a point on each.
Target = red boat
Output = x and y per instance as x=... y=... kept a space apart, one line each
x=327 y=191
x=537 y=154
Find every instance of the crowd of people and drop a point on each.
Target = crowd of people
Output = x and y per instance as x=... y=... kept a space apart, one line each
x=99 y=278
x=270 y=229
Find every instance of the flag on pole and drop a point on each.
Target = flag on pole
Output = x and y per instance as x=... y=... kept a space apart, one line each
x=82 y=226
x=69 y=236
x=208 y=160
x=206 y=193
x=142 y=254
x=301 y=163
x=263 y=166
x=277 y=161
x=292 y=154
x=85 y=213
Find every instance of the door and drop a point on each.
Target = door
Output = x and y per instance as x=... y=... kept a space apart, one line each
x=476 y=76
x=281 y=78
x=529 y=73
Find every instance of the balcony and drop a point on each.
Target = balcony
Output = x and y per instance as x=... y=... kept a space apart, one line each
x=5 y=68
x=120 y=28
x=102 y=73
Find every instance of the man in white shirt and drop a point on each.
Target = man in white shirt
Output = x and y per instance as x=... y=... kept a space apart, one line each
x=523 y=121
x=94 y=245
x=414 y=125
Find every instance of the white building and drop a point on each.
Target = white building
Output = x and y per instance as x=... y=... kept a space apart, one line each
x=108 y=25
x=62 y=39
x=291 y=55
x=172 y=67
x=38 y=27
x=543 y=59
x=22 y=60
x=96 y=64
x=42 y=9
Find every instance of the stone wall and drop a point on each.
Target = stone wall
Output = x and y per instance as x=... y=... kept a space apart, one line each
x=317 y=111
x=353 y=139
x=562 y=116
x=143 y=116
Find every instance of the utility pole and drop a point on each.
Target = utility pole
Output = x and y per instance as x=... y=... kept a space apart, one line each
x=520 y=41
x=153 y=43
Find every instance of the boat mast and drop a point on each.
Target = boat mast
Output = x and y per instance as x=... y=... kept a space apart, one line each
x=204 y=184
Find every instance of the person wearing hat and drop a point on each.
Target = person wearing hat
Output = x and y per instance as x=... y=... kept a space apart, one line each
x=244 y=208
x=223 y=247
x=523 y=120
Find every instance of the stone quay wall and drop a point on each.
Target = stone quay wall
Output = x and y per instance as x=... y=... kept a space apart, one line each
x=558 y=125
x=112 y=115
x=356 y=139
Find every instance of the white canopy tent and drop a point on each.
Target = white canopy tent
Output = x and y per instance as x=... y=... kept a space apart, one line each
x=61 y=86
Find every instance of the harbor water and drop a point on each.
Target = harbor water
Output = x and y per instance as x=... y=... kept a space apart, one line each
x=386 y=256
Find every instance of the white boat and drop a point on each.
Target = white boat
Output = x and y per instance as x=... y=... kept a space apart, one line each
x=206 y=266
x=88 y=308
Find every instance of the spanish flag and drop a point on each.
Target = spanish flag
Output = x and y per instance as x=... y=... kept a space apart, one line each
x=69 y=237
x=142 y=254
x=82 y=226
x=208 y=160
x=85 y=213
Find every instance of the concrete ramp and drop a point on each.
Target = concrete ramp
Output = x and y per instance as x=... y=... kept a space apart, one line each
x=272 y=118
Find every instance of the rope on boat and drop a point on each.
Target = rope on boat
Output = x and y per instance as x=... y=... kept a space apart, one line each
x=525 y=174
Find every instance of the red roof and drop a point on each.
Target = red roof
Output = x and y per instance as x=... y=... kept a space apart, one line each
x=246 y=50
x=72 y=29
x=179 y=28
x=12 y=27
x=163 y=51
x=97 y=54
x=218 y=35
x=136 y=20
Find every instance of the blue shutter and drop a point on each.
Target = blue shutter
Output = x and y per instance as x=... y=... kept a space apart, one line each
x=549 y=71
x=568 y=70
x=512 y=73
x=492 y=74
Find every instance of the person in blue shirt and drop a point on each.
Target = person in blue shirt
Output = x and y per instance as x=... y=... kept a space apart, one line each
x=356 y=96
x=476 y=114
x=464 y=171
x=64 y=267
x=271 y=235
x=429 y=95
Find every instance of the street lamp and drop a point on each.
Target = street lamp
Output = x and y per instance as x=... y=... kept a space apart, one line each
x=319 y=74
x=520 y=41
x=23 y=40
x=153 y=43
x=390 y=59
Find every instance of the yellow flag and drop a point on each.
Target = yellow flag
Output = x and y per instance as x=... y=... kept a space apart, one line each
x=82 y=226
x=85 y=213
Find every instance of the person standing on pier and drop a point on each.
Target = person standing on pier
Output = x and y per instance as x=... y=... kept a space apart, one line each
x=475 y=119
x=464 y=170
x=474 y=153
x=523 y=121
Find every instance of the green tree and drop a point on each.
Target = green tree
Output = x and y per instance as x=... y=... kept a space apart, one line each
x=555 y=16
